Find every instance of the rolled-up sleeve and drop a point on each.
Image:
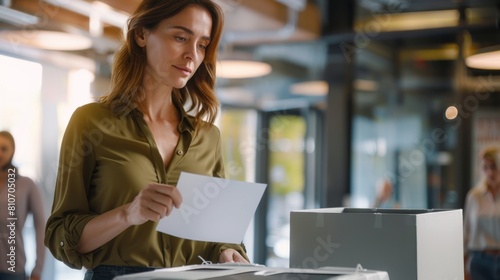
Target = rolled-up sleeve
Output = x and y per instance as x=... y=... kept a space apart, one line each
x=220 y=247
x=70 y=209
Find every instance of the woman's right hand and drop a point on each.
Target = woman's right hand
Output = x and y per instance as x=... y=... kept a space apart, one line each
x=154 y=202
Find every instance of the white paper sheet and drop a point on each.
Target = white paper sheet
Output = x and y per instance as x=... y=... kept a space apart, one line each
x=213 y=209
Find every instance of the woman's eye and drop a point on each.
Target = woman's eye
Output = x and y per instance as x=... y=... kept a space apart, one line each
x=203 y=47
x=180 y=39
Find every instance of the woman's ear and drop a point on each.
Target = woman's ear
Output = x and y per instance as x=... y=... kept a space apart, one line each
x=140 y=37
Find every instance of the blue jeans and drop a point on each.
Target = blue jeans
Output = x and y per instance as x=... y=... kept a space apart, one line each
x=108 y=272
x=12 y=276
x=484 y=266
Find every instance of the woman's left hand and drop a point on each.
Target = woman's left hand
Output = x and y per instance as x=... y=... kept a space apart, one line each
x=231 y=255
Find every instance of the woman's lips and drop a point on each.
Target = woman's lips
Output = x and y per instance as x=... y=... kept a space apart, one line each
x=185 y=70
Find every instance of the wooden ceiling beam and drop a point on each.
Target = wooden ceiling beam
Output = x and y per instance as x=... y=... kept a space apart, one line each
x=53 y=16
x=128 y=6
x=49 y=13
x=309 y=17
x=255 y=15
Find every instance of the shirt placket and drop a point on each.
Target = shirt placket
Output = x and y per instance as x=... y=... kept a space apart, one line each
x=180 y=151
x=162 y=173
x=155 y=153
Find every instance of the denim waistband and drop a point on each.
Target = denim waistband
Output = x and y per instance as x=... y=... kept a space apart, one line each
x=12 y=276
x=108 y=272
x=489 y=253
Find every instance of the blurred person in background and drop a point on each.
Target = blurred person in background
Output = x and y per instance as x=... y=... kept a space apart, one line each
x=19 y=197
x=385 y=195
x=482 y=221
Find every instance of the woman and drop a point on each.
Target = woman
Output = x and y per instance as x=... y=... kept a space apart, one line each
x=482 y=220
x=24 y=197
x=121 y=158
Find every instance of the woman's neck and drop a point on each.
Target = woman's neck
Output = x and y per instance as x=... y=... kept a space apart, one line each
x=158 y=106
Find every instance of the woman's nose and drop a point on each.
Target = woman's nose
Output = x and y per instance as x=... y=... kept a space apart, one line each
x=190 y=53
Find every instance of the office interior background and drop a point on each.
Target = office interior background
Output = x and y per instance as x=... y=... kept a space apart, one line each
x=346 y=93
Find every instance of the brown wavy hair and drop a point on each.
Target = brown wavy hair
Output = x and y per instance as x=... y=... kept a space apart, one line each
x=130 y=61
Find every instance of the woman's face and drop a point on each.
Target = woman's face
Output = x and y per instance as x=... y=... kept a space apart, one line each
x=6 y=151
x=176 y=47
x=490 y=170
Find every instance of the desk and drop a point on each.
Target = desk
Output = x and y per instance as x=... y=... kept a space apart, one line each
x=251 y=272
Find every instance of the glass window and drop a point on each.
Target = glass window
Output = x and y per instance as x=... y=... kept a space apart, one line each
x=395 y=120
x=20 y=113
x=20 y=85
x=287 y=135
x=238 y=131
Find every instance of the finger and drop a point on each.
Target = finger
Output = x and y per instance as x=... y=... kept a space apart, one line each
x=225 y=257
x=164 y=200
x=150 y=214
x=159 y=203
x=239 y=258
x=148 y=209
x=171 y=191
x=236 y=256
x=231 y=255
x=177 y=198
x=161 y=208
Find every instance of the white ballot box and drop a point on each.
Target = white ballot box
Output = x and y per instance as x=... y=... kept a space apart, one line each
x=408 y=244
x=235 y=271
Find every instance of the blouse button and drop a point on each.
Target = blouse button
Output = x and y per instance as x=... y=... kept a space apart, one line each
x=180 y=152
x=61 y=244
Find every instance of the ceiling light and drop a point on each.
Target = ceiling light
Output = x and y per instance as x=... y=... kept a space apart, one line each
x=310 y=88
x=240 y=69
x=451 y=112
x=488 y=59
x=443 y=52
x=409 y=21
x=320 y=88
x=48 y=40
x=365 y=85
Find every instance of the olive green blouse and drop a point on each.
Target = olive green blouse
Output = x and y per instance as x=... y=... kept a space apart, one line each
x=104 y=163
